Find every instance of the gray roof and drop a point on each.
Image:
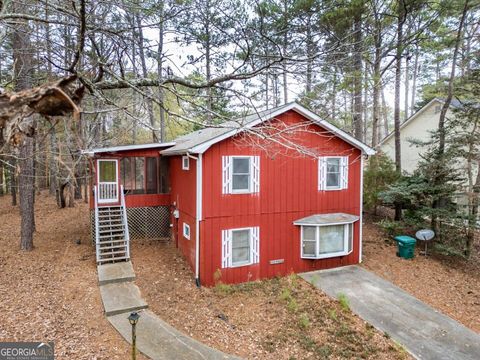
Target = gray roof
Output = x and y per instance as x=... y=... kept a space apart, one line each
x=184 y=143
x=325 y=219
x=92 y=152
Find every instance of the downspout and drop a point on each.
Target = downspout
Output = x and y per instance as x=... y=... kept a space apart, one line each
x=198 y=216
x=361 y=210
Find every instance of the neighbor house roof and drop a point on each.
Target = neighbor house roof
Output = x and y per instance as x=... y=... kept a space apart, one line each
x=453 y=103
x=92 y=152
x=199 y=141
x=327 y=219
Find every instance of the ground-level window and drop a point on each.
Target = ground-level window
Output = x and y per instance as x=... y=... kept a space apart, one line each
x=186 y=231
x=324 y=241
x=240 y=247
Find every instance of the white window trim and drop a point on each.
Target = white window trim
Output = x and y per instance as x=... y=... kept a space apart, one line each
x=253 y=174
x=185 y=167
x=254 y=248
x=322 y=183
x=242 y=191
x=317 y=241
x=185 y=227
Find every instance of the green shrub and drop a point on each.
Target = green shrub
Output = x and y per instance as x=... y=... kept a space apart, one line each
x=344 y=303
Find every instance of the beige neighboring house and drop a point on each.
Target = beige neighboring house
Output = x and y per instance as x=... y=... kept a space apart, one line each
x=417 y=127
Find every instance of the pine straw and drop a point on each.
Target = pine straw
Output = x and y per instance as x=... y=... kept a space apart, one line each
x=449 y=284
x=282 y=318
x=51 y=293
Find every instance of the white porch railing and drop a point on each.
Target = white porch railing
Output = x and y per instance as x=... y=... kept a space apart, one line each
x=97 y=225
x=125 y=221
x=107 y=192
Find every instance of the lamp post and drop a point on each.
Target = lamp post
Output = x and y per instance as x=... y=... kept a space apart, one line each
x=133 y=319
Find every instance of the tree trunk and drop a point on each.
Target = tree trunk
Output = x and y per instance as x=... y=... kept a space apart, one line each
x=160 y=73
x=13 y=181
x=357 y=85
x=23 y=68
x=407 y=87
x=398 y=78
x=376 y=92
x=414 y=82
x=439 y=177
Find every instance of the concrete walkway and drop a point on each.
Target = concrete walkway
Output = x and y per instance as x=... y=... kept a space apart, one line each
x=423 y=331
x=155 y=338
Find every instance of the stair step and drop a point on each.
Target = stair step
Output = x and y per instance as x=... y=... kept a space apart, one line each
x=112 y=241
x=113 y=259
x=111 y=236
x=119 y=246
x=111 y=221
x=113 y=252
x=111 y=230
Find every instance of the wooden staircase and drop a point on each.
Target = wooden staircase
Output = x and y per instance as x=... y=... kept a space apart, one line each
x=112 y=240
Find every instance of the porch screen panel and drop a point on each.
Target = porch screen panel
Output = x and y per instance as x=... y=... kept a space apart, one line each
x=107 y=171
x=128 y=180
x=163 y=176
x=139 y=175
x=152 y=175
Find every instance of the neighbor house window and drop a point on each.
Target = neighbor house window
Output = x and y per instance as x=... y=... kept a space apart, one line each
x=324 y=241
x=240 y=247
x=144 y=175
x=186 y=231
x=333 y=172
x=185 y=163
x=241 y=174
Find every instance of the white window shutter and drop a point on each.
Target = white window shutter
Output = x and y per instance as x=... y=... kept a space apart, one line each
x=255 y=251
x=322 y=173
x=226 y=248
x=344 y=170
x=255 y=174
x=226 y=174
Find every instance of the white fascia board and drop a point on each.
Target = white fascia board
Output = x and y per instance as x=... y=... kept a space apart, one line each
x=127 y=148
x=200 y=149
x=411 y=118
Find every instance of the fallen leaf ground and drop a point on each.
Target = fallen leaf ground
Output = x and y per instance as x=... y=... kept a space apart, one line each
x=51 y=293
x=283 y=318
x=449 y=284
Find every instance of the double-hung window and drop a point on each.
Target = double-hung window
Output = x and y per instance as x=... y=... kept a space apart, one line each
x=332 y=172
x=186 y=231
x=240 y=247
x=241 y=174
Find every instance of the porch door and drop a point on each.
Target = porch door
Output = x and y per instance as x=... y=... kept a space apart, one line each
x=107 y=181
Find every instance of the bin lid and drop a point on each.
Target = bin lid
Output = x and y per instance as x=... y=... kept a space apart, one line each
x=404 y=239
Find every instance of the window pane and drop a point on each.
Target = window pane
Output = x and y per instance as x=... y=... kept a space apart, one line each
x=240 y=182
x=151 y=175
x=240 y=246
x=309 y=248
x=333 y=165
x=350 y=237
x=333 y=180
x=107 y=171
x=139 y=175
x=241 y=166
x=331 y=239
x=309 y=232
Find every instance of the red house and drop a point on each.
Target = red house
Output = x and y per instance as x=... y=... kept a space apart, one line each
x=275 y=192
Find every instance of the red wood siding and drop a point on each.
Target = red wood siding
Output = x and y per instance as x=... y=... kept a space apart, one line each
x=183 y=194
x=288 y=191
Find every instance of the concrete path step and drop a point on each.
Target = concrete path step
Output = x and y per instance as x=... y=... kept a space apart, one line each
x=121 y=298
x=425 y=332
x=115 y=273
x=158 y=340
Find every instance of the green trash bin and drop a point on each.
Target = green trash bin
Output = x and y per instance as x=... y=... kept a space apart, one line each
x=406 y=246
